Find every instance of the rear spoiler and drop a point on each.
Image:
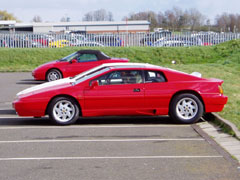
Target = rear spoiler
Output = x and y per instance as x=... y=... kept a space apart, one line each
x=219 y=81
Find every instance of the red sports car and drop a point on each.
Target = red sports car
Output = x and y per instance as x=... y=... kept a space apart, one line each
x=118 y=89
x=72 y=65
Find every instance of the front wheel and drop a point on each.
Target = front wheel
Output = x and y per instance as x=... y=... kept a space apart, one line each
x=186 y=108
x=53 y=75
x=63 y=111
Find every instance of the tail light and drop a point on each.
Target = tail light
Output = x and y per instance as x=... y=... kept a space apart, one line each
x=220 y=89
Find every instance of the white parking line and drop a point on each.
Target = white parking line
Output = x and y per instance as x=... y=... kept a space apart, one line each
x=98 y=140
x=91 y=158
x=94 y=126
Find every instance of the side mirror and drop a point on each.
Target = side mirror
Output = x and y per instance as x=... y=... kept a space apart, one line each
x=73 y=61
x=94 y=84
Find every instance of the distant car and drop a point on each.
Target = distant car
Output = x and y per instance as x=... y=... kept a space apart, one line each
x=73 y=64
x=59 y=43
x=108 y=40
x=40 y=40
x=123 y=89
x=169 y=43
x=3 y=43
x=85 y=43
x=150 y=38
x=177 y=42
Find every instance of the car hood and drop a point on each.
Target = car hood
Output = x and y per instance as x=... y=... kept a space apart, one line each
x=51 y=62
x=47 y=85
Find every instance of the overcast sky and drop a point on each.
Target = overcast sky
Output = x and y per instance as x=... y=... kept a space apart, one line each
x=54 y=10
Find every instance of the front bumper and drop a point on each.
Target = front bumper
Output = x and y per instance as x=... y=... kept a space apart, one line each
x=30 y=108
x=38 y=75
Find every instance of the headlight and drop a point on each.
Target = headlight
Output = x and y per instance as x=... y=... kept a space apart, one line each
x=16 y=98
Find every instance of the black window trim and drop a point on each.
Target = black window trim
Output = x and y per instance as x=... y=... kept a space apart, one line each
x=163 y=75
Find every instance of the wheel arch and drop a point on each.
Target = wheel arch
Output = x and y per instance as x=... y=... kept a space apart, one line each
x=67 y=96
x=186 y=92
x=52 y=68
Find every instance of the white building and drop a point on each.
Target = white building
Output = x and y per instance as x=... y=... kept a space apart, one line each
x=85 y=26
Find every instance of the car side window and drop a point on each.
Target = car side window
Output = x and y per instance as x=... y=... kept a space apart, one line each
x=121 y=77
x=86 y=57
x=154 y=77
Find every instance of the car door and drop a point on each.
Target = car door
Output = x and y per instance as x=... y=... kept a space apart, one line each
x=82 y=63
x=117 y=93
x=158 y=92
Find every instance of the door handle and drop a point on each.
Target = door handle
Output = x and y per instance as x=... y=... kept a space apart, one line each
x=136 y=90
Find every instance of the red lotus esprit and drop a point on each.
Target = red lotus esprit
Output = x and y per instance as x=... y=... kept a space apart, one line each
x=118 y=89
x=72 y=65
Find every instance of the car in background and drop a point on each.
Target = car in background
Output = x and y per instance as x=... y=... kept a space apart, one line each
x=177 y=42
x=107 y=40
x=58 y=43
x=169 y=43
x=73 y=64
x=40 y=40
x=123 y=89
x=150 y=38
x=85 y=43
x=3 y=43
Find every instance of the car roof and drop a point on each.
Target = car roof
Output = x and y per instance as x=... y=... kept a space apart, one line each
x=132 y=65
x=139 y=65
x=100 y=55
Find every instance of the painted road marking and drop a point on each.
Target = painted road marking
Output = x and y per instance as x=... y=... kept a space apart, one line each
x=93 y=126
x=90 y=158
x=98 y=140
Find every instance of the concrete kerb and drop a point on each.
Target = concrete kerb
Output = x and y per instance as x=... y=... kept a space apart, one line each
x=227 y=123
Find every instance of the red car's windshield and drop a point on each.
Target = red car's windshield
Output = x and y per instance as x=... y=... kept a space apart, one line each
x=70 y=57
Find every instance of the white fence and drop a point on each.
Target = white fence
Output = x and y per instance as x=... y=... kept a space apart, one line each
x=161 y=39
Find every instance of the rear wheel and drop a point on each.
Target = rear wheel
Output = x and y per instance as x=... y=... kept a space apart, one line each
x=63 y=111
x=186 y=108
x=53 y=75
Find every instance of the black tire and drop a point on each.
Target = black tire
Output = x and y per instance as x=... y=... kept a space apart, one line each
x=53 y=75
x=186 y=108
x=63 y=111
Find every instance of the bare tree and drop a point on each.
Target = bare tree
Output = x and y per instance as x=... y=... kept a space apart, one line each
x=110 y=16
x=171 y=19
x=177 y=19
x=196 y=19
x=88 y=16
x=228 y=22
x=223 y=22
x=161 y=20
x=37 y=19
x=145 y=15
x=98 y=15
x=65 y=19
x=233 y=22
x=174 y=19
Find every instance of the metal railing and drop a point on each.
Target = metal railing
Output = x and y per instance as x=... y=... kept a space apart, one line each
x=160 y=39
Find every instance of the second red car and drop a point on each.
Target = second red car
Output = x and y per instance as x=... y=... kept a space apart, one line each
x=73 y=64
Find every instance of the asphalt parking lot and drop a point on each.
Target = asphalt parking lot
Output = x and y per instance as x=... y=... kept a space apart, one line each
x=103 y=148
